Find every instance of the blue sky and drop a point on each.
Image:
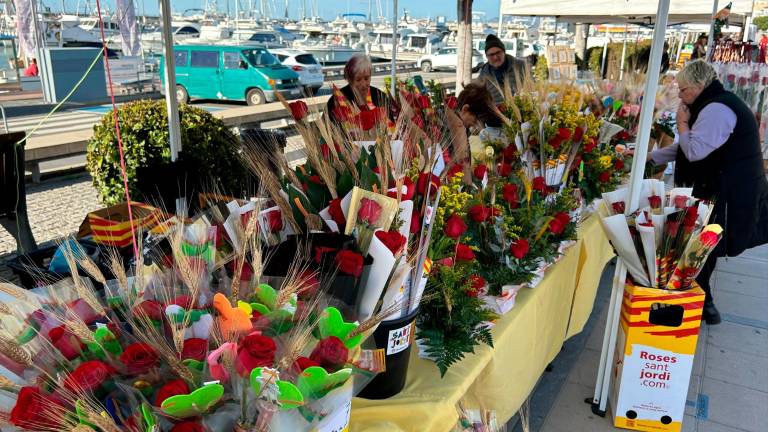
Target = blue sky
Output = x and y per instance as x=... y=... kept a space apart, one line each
x=327 y=8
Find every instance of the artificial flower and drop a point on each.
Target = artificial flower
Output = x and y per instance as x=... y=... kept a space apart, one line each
x=708 y=239
x=34 y=410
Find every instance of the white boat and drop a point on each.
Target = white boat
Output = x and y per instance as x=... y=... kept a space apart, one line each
x=330 y=47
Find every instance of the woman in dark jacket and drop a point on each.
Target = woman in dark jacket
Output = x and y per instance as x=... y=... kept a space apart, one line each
x=719 y=155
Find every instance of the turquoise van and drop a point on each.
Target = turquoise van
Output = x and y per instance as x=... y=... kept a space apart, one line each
x=230 y=73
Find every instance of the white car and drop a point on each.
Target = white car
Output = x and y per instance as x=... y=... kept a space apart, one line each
x=303 y=63
x=447 y=58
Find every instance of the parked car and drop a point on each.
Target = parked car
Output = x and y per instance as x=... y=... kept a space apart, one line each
x=230 y=73
x=303 y=63
x=447 y=58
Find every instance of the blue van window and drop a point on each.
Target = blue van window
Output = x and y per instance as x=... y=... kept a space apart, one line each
x=206 y=59
x=232 y=60
x=181 y=58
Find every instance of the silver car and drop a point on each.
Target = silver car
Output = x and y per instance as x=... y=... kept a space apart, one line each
x=303 y=63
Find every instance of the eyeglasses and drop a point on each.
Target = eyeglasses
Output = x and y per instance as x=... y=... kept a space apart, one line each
x=682 y=89
x=494 y=53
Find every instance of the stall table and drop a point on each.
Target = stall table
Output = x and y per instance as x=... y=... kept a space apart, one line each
x=525 y=340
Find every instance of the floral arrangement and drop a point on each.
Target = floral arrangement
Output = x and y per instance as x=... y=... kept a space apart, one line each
x=666 y=241
x=180 y=343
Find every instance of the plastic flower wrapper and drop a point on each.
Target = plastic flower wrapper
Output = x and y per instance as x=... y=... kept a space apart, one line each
x=618 y=232
x=693 y=258
x=369 y=211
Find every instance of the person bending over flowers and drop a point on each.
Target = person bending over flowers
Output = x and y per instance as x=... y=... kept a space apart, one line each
x=718 y=153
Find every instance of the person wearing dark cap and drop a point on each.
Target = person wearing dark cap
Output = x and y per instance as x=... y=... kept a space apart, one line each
x=700 y=47
x=501 y=69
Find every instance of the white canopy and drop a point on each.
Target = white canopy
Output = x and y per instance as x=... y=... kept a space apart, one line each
x=623 y=11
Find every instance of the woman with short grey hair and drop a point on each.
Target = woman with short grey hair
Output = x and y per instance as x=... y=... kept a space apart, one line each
x=718 y=153
x=357 y=72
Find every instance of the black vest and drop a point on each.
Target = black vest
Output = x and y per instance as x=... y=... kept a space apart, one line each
x=732 y=175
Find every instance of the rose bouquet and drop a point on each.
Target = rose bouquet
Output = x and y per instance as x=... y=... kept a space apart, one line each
x=179 y=345
x=666 y=242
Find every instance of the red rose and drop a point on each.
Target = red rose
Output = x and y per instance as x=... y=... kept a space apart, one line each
x=604 y=177
x=480 y=171
x=423 y=101
x=454 y=226
x=557 y=226
x=510 y=194
x=254 y=351
x=299 y=110
x=330 y=353
x=691 y=214
x=302 y=363
x=590 y=145
x=188 y=426
x=619 y=207
x=67 y=343
x=654 y=201
x=564 y=133
x=479 y=213
x=618 y=165
x=455 y=169
x=393 y=240
x=337 y=214
x=681 y=201
x=426 y=179
x=184 y=301
x=418 y=121
x=464 y=253
x=411 y=189
x=139 y=358
x=195 y=349
x=672 y=228
x=451 y=102
x=509 y=153
x=171 y=388
x=89 y=376
x=540 y=185
x=34 y=410
x=150 y=309
x=415 y=222
x=519 y=248
x=708 y=239
x=505 y=169
x=578 y=134
x=476 y=283
x=369 y=211
x=622 y=136
x=563 y=217
x=349 y=262
x=447 y=262
x=274 y=221
x=367 y=119
x=556 y=142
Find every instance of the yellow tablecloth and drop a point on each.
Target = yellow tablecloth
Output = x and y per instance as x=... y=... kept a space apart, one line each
x=525 y=341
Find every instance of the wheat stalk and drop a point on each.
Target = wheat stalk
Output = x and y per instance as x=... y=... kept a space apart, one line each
x=7 y=384
x=13 y=351
x=14 y=291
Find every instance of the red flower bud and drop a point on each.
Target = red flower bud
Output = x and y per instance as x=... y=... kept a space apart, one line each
x=455 y=227
x=519 y=248
x=330 y=353
x=299 y=110
x=464 y=253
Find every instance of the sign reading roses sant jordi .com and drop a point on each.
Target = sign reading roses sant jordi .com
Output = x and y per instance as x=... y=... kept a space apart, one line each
x=654 y=357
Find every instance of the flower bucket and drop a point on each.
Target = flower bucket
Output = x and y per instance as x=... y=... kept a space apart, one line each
x=395 y=337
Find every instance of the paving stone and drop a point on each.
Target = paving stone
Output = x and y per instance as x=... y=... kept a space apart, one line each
x=740 y=283
x=738 y=368
x=735 y=406
x=737 y=337
x=690 y=424
x=571 y=414
x=585 y=370
x=708 y=426
x=741 y=306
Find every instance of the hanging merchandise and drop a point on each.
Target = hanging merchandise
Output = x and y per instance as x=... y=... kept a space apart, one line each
x=129 y=28
x=25 y=26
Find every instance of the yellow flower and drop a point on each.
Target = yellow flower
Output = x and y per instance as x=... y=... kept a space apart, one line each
x=605 y=161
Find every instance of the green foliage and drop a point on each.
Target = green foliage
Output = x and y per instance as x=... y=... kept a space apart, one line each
x=541 y=71
x=209 y=149
x=761 y=22
x=452 y=322
x=613 y=57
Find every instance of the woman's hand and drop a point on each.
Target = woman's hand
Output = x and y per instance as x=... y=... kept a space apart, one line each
x=683 y=114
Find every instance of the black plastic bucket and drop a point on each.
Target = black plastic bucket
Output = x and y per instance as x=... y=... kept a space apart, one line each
x=396 y=338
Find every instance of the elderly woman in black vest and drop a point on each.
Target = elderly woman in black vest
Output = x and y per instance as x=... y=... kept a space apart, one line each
x=718 y=153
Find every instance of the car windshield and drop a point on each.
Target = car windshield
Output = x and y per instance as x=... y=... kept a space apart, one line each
x=260 y=57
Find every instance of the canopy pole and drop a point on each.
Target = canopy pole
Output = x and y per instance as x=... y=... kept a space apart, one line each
x=680 y=47
x=649 y=101
x=603 y=72
x=394 y=50
x=711 y=41
x=623 y=52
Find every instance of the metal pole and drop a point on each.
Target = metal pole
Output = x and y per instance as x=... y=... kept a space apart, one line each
x=394 y=50
x=501 y=23
x=170 y=81
x=603 y=72
x=623 y=53
x=711 y=41
x=602 y=384
x=680 y=47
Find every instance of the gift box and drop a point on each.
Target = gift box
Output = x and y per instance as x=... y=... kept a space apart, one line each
x=111 y=226
x=655 y=347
